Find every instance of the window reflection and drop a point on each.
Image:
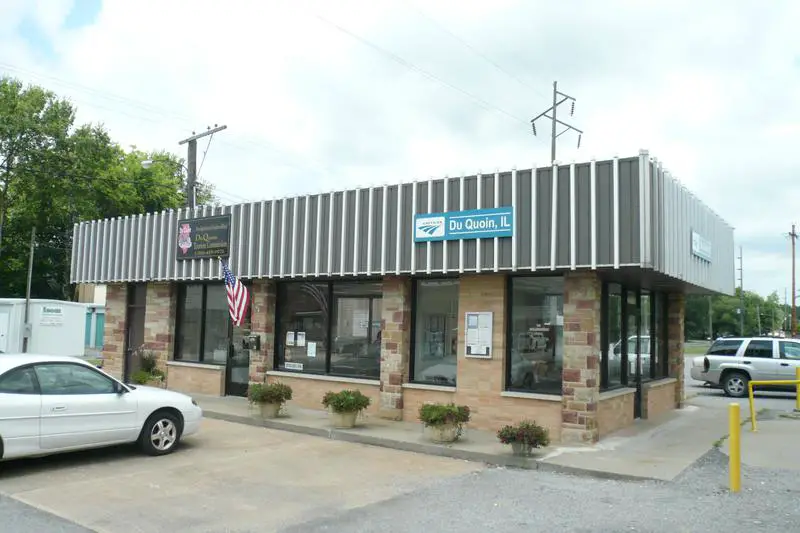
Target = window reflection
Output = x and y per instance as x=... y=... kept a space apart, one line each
x=436 y=332
x=356 y=347
x=537 y=334
x=613 y=334
x=303 y=326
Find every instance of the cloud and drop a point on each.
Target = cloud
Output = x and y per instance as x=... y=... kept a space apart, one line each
x=321 y=95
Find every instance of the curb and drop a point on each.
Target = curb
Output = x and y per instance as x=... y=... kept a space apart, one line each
x=505 y=461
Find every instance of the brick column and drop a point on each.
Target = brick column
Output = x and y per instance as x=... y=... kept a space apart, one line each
x=581 y=374
x=675 y=334
x=159 y=322
x=262 y=317
x=114 y=331
x=395 y=345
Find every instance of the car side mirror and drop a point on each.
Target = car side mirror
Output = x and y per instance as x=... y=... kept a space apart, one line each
x=120 y=389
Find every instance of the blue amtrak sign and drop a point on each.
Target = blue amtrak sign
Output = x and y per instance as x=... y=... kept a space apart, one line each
x=463 y=225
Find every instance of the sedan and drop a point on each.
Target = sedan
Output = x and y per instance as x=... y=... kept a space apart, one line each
x=54 y=404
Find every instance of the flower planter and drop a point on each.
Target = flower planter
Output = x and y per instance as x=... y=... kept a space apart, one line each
x=269 y=410
x=345 y=420
x=443 y=433
x=521 y=449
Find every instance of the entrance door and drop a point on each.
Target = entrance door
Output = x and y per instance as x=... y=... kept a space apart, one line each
x=237 y=373
x=632 y=359
x=134 y=328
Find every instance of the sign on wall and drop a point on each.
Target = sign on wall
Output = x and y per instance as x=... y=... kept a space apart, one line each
x=701 y=247
x=461 y=225
x=203 y=238
x=52 y=315
x=478 y=338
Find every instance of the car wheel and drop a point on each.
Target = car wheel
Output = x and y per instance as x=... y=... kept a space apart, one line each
x=160 y=434
x=735 y=384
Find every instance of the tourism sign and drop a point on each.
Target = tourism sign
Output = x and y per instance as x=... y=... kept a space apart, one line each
x=462 y=225
x=203 y=238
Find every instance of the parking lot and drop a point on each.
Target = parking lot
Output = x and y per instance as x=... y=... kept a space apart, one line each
x=230 y=477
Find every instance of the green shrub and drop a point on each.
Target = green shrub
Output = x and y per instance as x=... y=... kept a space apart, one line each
x=346 y=401
x=140 y=377
x=278 y=393
x=148 y=362
x=529 y=433
x=439 y=414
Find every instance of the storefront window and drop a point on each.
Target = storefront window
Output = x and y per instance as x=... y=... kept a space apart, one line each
x=436 y=332
x=203 y=324
x=645 y=336
x=330 y=328
x=612 y=351
x=536 y=327
x=631 y=318
x=660 y=358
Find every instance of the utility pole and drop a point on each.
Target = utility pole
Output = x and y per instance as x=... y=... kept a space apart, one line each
x=793 y=237
x=191 y=161
x=741 y=295
x=27 y=326
x=553 y=109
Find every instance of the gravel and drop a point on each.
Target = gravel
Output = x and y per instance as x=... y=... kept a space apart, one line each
x=501 y=500
x=18 y=517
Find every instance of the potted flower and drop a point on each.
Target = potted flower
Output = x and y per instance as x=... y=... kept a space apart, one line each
x=344 y=406
x=269 y=397
x=523 y=437
x=444 y=421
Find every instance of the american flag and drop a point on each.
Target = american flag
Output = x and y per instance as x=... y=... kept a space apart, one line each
x=238 y=297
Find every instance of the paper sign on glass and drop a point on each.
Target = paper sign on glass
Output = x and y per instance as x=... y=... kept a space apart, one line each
x=301 y=338
x=290 y=338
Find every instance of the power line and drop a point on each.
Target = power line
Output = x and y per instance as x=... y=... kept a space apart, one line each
x=475 y=50
x=555 y=121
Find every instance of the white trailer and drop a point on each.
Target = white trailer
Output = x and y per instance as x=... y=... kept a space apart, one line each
x=56 y=327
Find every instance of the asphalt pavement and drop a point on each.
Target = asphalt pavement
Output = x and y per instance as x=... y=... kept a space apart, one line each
x=500 y=500
x=18 y=517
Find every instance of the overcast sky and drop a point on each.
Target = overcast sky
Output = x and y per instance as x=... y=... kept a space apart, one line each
x=330 y=94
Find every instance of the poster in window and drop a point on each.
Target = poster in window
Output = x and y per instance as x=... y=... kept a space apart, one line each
x=311 y=350
x=478 y=341
x=290 y=338
x=300 y=340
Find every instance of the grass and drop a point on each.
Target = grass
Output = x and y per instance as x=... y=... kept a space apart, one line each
x=695 y=347
x=720 y=441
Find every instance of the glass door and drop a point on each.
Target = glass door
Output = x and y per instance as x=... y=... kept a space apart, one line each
x=237 y=372
x=134 y=329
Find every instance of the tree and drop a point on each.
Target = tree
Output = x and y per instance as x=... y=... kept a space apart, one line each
x=53 y=174
x=768 y=313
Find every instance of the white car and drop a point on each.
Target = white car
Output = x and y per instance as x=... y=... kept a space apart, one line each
x=54 y=404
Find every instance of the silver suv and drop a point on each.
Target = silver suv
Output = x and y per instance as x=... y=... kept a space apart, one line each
x=733 y=362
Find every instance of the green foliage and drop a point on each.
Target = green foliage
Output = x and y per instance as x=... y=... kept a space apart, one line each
x=770 y=311
x=526 y=432
x=439 y=414
x=345 y=401
x=278 y=393
x=54 y=173
x=140 y=377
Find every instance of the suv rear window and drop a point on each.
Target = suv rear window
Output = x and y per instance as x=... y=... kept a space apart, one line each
x=724 y=347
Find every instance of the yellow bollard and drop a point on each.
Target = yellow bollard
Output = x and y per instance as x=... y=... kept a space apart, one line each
x=735 y=450
x=752 y=407
x=797 y=388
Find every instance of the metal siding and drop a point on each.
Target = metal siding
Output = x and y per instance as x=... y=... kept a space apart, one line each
x=337 y=229
x=437 y=248
x=505 y=245
x=453 y=201
x=524 y=216
x=378 y=237
x=605 y=213
x=391 y=228
x=543 y=215
x=487 y=245
x=583 y=223
x=406 y=227
x=470 y=202
x=563 y=218
x=144 y=247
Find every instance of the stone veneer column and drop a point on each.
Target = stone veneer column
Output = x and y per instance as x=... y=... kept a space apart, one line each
x=262 y=317
x=675 y=334
x=114 y=331
x=581 y=375
x=159 y=321
x=395 y=345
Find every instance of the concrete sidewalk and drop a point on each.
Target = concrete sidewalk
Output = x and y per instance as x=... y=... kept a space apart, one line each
x=775 y=443
x=658 y=449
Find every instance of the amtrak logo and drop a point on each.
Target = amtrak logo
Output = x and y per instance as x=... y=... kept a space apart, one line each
x=429 y=227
